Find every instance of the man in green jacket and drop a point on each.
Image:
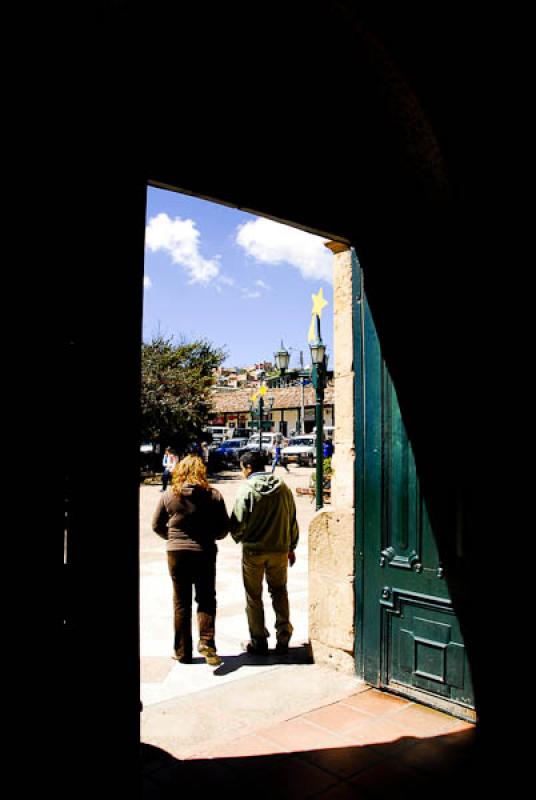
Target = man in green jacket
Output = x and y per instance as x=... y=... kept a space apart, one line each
x=264 y=521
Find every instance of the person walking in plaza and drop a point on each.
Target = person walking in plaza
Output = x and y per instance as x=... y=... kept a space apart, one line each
x=168 y=462
x=277 y=457
x=264 y=521
x=191 y=516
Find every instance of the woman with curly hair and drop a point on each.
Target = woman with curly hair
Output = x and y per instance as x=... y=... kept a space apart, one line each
x=191 y=516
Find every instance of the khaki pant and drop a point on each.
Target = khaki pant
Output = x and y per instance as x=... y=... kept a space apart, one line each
x=274 y=566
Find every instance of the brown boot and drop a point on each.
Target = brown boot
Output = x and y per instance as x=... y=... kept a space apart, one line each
x=211 y=656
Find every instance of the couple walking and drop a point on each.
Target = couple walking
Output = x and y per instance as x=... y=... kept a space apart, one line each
x=192 y=516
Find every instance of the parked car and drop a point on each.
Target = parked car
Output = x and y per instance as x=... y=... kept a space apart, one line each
x=231 y=450
x=269 y=440
x=300 y=450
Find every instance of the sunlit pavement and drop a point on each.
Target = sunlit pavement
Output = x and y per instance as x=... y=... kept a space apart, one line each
x=297 y=728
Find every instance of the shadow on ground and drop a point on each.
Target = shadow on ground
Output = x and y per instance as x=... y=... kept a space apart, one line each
x=409 y=768
x=296 y=655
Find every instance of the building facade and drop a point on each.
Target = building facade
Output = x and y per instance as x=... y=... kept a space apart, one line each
x=293 y=408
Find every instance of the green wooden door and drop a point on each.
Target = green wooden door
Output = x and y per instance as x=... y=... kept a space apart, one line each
x=410 y=638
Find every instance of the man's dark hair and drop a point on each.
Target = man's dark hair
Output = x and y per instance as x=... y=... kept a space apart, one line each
x=252 y=459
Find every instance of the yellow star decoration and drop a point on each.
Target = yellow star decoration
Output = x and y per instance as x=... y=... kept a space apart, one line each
x=319 y=302
x=260 y=393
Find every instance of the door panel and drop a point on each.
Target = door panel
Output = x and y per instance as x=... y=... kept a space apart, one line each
x=411 y=639
x=424 y=648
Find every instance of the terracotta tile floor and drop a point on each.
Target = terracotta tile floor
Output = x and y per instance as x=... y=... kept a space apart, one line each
x=370 y=745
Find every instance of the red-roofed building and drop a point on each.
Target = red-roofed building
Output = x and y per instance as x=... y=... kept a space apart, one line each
x=290 y=405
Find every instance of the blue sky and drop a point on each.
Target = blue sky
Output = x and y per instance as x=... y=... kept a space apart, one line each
x=241 y=281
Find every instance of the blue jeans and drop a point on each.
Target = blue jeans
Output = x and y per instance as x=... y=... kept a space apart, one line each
x=166 y=476
x=277 y=461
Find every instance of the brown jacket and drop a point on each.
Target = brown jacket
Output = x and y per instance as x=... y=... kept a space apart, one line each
x=192 y=520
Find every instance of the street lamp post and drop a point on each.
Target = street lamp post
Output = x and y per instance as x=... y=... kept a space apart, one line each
x=252 y=412
x=282 y=357
x=259 y=410
x=318 y=359
x=303 y=375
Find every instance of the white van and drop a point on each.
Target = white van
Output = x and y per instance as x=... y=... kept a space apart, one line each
x=269 y=441
x=218 y=433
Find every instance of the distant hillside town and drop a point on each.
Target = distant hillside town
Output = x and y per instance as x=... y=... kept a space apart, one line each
x=242 y=377
x=233 y=378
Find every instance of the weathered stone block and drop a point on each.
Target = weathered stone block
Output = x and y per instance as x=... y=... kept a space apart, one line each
x=331 y=580
x=331 y=611
x=331 y=544
x=342 y=346
x=342 y=313
x=340 y=660
x=342 y=482
x=344 y=408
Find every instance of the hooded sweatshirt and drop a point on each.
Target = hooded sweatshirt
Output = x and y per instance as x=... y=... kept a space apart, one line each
x=264 y=515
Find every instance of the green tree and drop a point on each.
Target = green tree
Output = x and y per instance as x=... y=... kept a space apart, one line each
x=175 y=384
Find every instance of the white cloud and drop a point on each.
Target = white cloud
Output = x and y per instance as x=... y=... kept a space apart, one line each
x=249 y=294
x=147 y=282
x=180 y=238
x=271 y=242
x=262 y=285
x=223 y=281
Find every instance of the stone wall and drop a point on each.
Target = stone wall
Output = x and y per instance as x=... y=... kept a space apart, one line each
x=332 y=532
